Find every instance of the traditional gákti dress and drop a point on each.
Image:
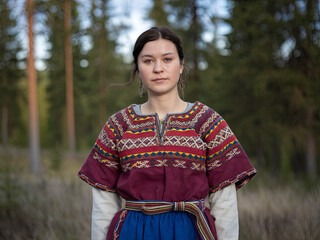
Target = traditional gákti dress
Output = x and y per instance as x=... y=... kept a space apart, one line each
x=165 y=170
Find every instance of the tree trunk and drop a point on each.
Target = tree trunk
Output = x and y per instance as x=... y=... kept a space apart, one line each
x=69 y=77
x=33 y=103
x=311 y=71
x=4 y=111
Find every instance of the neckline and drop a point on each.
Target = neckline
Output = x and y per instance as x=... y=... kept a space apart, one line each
x=136 y=108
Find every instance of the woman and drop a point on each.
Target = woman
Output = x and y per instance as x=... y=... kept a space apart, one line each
x=164 y=157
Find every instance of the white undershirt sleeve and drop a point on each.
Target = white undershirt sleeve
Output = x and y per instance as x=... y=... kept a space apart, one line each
x=223 y=207
x=105 y=206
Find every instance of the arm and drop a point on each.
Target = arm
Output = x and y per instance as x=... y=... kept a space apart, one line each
x=223 y=207
x=105 y=206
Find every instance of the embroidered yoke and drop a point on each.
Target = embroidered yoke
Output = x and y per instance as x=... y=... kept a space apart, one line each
x=183 y=159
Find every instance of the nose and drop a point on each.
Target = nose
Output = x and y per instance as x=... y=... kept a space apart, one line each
x=158 y=67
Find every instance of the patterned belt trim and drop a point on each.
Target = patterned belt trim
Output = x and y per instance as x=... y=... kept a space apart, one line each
x=158 y=207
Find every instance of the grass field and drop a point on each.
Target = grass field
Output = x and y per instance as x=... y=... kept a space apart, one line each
x=59 y=205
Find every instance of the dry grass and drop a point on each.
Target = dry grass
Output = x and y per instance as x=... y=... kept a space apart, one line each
x=56 y=207
x=59 y=205
x=283 y=212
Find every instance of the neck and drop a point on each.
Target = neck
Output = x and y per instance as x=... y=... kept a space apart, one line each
x=162 y=105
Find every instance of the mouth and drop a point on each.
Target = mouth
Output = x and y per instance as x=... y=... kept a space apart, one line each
x=159 y=80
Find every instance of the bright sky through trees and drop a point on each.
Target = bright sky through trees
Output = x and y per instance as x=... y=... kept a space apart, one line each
x=128 y=12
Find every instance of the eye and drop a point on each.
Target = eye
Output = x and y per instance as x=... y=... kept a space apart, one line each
x=167 y=60
x=147 y=61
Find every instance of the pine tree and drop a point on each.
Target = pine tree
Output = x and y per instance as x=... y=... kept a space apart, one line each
x=9 y=73
x=302 y=21
x=266 y=78
x=157 y=13
x=56 y=65
x=189 y=26
x=106 y=67
x=56 y=69
x=69 y=76
x=34 y=140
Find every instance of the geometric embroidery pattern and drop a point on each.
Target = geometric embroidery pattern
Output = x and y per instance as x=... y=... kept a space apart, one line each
x=103 y=137
x=225 y=147
x=192 y=121
x=131 y=141
x=192 y=142
x=113 y=118
x=199 y=166
x=163 y=154
x=223 y=159
x=208 y=123
x=111 y=164
x=220 y=137
x=137 y=126
x=103 y=152
x=213 y=165
x=126 y=144
x=179 y=131
x=106 y=162
x=233 y=153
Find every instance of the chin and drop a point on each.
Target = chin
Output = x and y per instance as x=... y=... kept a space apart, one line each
x=161 y=93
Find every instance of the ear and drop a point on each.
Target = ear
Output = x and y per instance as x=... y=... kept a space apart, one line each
x=181 y=66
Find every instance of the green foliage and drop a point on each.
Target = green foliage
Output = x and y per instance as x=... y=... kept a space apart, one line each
x=158 y=13
x=56 y=159
x=265 y=85
x=56 y=72
x=264 y=82
x=10 y=74
x=19 y=135
x=188 y=21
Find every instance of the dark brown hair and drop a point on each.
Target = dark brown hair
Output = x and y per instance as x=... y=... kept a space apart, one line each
x=153 y=34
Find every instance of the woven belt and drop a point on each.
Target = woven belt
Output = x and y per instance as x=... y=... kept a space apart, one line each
x=158 y=207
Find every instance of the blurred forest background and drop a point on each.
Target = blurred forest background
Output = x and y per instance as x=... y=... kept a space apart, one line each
x=258 y=65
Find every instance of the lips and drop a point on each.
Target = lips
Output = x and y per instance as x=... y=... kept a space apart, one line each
x=159 y=80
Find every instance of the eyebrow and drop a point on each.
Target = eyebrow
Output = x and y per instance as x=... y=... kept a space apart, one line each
x=148 y=55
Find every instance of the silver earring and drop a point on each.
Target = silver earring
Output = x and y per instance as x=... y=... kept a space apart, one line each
x=141 y=89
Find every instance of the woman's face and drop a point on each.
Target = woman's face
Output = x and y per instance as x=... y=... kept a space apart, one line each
x=159 y=67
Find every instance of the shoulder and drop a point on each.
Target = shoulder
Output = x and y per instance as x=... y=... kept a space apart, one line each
x=122 y=114
x=204 y=113
x=205 y=117
x=206 y=110
x=120 y=120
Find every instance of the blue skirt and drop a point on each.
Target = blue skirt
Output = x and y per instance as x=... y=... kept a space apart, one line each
x=165 y=226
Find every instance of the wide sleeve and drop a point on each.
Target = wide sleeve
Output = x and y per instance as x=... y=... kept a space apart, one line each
x=102 y=167
x=226 y=162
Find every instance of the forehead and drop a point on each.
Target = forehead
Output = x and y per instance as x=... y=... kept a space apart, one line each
x=158 y=47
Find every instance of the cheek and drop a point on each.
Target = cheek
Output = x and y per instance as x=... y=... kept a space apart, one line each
x=142 y=73
x=177 y=70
